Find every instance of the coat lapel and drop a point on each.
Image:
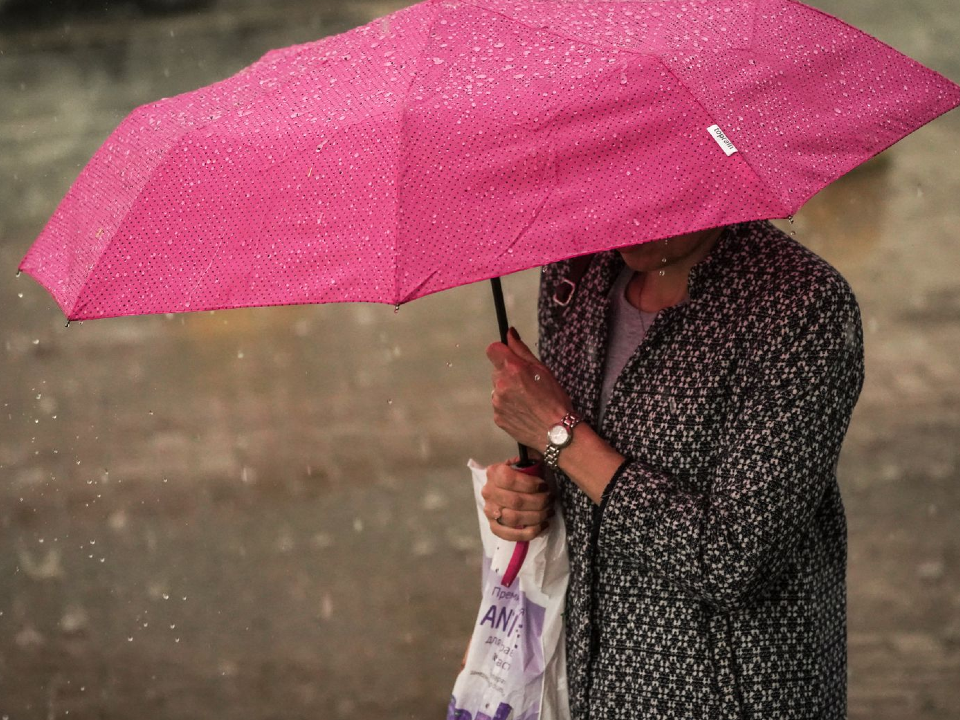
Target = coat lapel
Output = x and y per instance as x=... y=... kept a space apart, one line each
x=585 y=332
x=582 y=342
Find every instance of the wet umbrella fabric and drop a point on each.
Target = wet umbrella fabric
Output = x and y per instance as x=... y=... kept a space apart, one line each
x=454 y=141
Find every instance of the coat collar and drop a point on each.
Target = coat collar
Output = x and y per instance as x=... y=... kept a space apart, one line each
x=594 y=308
x=608 y=264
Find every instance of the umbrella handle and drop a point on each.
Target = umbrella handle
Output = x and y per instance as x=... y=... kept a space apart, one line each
x=520 y=549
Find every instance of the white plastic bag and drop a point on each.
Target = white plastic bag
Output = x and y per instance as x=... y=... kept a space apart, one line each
x=516 y=664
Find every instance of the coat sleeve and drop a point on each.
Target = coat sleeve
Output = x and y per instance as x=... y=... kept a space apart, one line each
x=779 y=453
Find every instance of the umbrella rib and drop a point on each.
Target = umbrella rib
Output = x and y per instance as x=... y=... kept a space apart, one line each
x=784 y=206
x=543 y=203
x=559 y=34
x=396 y=179
x=413 y=293
x=153 y=171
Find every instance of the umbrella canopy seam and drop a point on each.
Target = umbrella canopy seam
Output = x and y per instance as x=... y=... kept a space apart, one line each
x=76 y=301
x=785 y=206
x=557 y=33
x=400 y=145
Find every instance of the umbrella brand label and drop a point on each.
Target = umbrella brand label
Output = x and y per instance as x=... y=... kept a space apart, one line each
x=722 y=140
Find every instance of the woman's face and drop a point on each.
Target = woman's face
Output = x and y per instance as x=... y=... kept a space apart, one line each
x=678 y=250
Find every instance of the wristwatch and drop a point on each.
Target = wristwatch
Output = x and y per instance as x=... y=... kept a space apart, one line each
x=558 y=437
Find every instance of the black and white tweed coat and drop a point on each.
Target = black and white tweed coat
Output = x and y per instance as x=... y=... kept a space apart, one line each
x=710 y=582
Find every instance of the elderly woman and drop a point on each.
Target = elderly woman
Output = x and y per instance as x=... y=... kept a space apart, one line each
x=703 y=384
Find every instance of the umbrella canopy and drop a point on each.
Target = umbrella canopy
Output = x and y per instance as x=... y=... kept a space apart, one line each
x=458 y=140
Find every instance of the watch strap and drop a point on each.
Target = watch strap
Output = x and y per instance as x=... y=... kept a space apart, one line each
x=551 y=455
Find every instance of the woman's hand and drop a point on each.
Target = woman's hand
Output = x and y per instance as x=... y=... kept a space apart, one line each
x=527 y=399
x=522 y=503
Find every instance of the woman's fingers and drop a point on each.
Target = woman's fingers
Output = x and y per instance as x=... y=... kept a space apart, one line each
x=518 y=534
x=522 y=503
x=516 y=519
x=510 y=488
x=518 y=501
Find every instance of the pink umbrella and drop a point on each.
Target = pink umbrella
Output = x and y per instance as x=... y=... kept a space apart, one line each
x=459 y=140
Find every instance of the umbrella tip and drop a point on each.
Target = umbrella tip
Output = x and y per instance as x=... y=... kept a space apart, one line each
x=396 y=308
x=68 y=324
x=18 y=272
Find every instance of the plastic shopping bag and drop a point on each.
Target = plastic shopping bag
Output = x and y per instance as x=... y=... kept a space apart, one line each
x=516 y=664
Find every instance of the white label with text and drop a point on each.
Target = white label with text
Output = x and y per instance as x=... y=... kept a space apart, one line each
x=722 y=140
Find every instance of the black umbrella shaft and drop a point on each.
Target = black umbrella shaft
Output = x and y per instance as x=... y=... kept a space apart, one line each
x=502 y=322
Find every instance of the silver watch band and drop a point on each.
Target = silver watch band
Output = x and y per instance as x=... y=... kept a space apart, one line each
x=551 y=455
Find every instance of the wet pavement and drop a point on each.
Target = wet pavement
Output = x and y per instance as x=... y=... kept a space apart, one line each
x=267 y=513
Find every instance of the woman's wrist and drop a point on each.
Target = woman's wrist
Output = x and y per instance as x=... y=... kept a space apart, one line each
x=590 y=461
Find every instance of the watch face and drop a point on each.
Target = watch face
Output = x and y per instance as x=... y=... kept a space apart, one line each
x=558 y=434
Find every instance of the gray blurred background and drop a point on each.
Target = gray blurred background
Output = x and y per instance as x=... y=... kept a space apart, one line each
x=267 y=513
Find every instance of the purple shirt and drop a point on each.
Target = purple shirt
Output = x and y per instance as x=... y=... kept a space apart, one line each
x=628 y=327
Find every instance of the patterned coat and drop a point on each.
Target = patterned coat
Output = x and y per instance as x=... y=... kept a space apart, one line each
x=710 y=582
